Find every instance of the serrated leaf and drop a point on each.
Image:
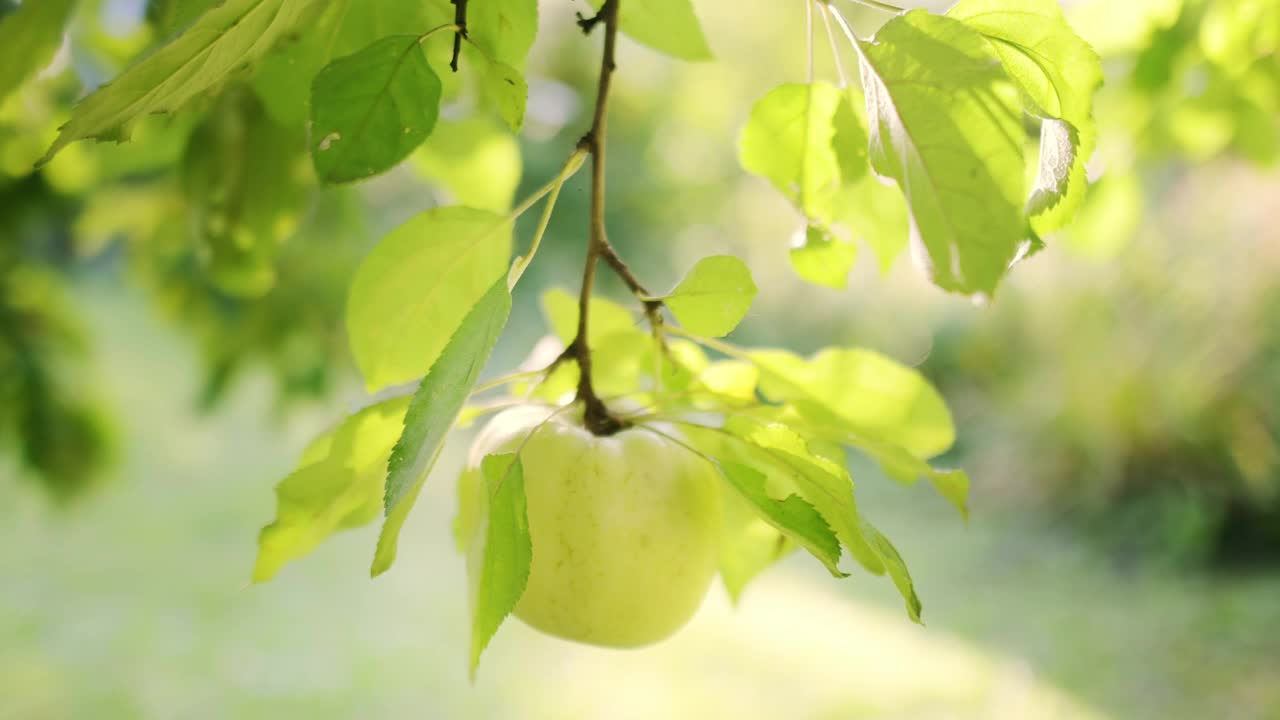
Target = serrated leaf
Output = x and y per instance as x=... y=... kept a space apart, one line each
x=1057 y=74
x=793 y=516
x=433 y=410
x=339 y=485
x=474 y=160
x=823 y=258
x=876 y=213
x=863 y=392
x=29 y=37
x=508 y=551
x=896 y=568
x=945 y=126
x=503 y=29
x=789 y=141
x=371 y=109
x=227 y=38
x=714 y=297
x=668 y=26
x=413 y=291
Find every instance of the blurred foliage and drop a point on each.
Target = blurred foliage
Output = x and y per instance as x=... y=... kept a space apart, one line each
x=1141 y=396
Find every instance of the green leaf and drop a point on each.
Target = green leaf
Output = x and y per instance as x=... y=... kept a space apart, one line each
x=876 y=213
x=477 y=162
x=171 y=15
x=668 y=26
x=945 y=126
x=714 y=297
x=508 y=551
x=337 y=486
x=861 y=392
x=793 y=516
x=897 y=569
x=748 y=545
x=433 y=410
x=506 y=88
x=503 y=29
x=824 y=259
x=283 y=78
x=413 y=291
x=227 y=38
x=371 y=109
x=29 y=37
x=607 y=318
x=731 y=380
x=247 y=186
x=1057 y=74
x=789 y=141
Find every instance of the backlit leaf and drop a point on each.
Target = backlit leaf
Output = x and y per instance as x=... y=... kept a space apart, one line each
x=824 y=258
x=945 y=126
x=503 y=29
x=433 y=410
x=339 y=485
x=508 y=551
x=714 y=297
x=413 y=291
x=668 y=26
x=862 y=391
x=227 y=38
x=474 y=160
x=1057 y=74
x=29 y=37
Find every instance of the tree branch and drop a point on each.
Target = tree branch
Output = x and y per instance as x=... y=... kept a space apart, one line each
x=459 y=19
x=596 y=416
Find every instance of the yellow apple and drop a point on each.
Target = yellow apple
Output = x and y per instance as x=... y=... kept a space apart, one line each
x=624 y=528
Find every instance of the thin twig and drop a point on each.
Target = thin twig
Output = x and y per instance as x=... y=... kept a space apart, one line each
x=596 y=415
x=835 y=49
x=459 y=19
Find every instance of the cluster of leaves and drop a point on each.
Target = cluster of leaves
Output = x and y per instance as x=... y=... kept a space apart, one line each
x=942 y=112
x=280 y=97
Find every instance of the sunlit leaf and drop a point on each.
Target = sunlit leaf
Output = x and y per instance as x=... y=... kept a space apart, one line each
x=229 y=37
x=668 y=26
x=433 y=410
x=824 y=258
x=789 y=141
x=862 y=391
x=945 y=126
x=503 y=29
x=338 y=485
x=1057 y=74
x=29 y=37
x=508 y=550
x=371 y=109
x=714 y=297
x=413 y=291
x=793 y=516
x=507 y=90
x=474 y=160
x=748 y=545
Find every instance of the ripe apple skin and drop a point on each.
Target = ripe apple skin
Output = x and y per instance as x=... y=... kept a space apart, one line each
x=624 y=528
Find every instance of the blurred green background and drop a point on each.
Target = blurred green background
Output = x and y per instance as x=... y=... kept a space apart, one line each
x=1118 y=406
